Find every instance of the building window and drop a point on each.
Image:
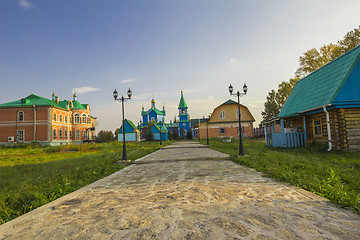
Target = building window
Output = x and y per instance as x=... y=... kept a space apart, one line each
x=77 y=118
x=237 y=113
x=88 y=120
x=71 y=120
x=66 y=119
x=317 y=127
x=20 y=135
x=20 y=116
x=83 y=120
x=60 y=118
x=183 y=111
x=84 y=135
x=54 y=133
x=54 y=117
x=222 y=115
x=70 y=134
x=77 y=134
x=60 y=133
x=66 y=135
x=222 y=130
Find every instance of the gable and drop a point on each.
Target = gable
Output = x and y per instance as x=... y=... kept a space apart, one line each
x=320 y=87
x=350 y=91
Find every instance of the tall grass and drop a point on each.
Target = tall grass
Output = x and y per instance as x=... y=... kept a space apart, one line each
x=333 y=175
x=27 y=186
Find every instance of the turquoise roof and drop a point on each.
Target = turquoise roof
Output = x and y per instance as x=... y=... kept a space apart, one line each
x=229 y=102
x=320 y=87
x=33 y=100
x=157 y=111
x=182 y=103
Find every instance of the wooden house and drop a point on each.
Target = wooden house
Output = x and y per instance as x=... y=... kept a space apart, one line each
x=224 y=122
x=132 y=133
x=323 y=107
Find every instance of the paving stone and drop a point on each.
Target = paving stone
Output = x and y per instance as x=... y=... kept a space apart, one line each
x=186 y=191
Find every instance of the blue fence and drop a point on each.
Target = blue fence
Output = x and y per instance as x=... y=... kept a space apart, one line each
x=286 y=140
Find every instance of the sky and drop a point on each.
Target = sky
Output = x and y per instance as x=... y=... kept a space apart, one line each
x=158 y=48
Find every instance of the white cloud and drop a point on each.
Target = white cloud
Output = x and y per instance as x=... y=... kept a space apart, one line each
x=128 y=80
x=25 y=4
x=82 y=90
x=233 y=61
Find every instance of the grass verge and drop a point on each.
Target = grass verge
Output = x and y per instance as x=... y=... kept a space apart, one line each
x=333 y=175
x=47 y=176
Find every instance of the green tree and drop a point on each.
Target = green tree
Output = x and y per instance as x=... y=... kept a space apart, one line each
x=271 y=106
x=105 y=136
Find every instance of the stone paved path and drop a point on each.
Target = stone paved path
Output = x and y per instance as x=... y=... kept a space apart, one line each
x=186 y=191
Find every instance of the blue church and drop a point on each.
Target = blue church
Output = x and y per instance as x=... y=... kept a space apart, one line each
x=155 y=119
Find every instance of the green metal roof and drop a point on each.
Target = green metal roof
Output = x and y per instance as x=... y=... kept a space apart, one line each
x=321 y=86
x=157 y=111
x=163 y=128
x=131 y=124
x=32 y=100
x=77 y=105
x=182 y=103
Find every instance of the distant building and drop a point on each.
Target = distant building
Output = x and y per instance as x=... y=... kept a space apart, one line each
x=154 y=119
x=184 y=123
x=132 y=133
x=50 y=122
x=224 y=122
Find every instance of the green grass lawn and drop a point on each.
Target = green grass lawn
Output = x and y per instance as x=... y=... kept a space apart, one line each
x=33 y=176
x=333 y=175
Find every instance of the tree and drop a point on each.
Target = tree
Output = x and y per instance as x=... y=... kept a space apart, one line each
x=350 y=40
x=105 y=136
x=271 y=107
x=149 y=134
x=314 y=59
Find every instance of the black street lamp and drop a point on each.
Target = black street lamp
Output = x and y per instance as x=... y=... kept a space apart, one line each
x=238 y=94
x=123 y=99
x=207 y=130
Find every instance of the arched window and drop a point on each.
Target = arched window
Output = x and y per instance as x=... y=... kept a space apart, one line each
x=77 y=134
x=77 y=118
x=20 y=116
x=83 y=119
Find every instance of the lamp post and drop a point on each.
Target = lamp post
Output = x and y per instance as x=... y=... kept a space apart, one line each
x=207 y=130
x=239 y=94
x=122 y=99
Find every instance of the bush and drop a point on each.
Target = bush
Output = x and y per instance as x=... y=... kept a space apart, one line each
x=149 y=135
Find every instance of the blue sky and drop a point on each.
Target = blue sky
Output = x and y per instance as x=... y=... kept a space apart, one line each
x=160 y=47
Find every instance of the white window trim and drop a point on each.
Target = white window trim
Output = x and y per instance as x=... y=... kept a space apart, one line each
x=222 y=115
x=18 y=135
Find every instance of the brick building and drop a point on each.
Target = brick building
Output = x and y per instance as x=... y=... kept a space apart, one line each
x=224 y=122
x=50 y=122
